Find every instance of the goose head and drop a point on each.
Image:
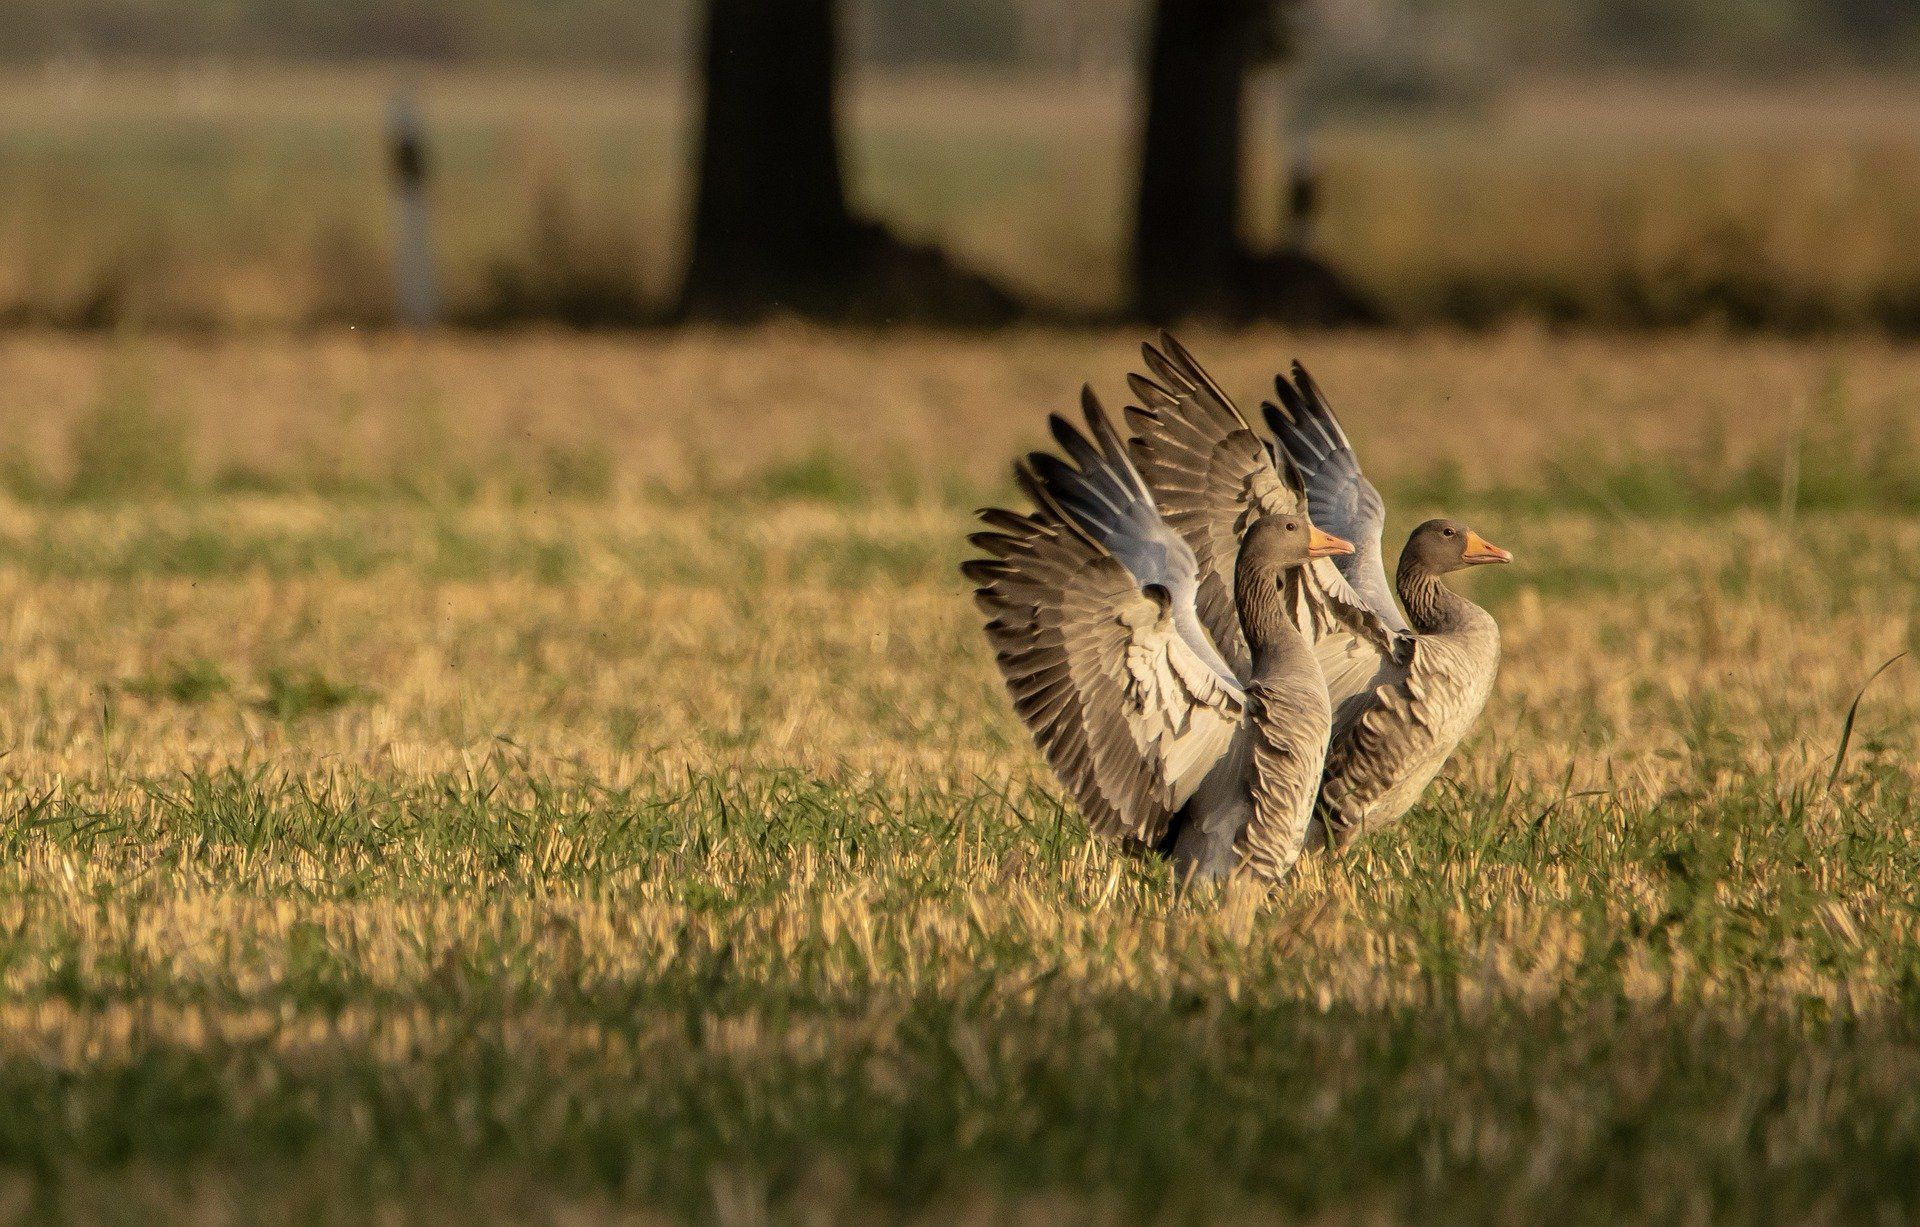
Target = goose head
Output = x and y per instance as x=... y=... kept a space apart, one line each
x=1274 y=544
x=1441 y=546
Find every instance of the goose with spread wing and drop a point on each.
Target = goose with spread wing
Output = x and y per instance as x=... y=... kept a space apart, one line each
x=1403 y=693
x=1395 y=721
x=1092 y=606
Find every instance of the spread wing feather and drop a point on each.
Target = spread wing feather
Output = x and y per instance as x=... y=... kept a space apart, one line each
x=1339 y=497
x=1211 y=475
x=1089 y=605
x=1354 y=668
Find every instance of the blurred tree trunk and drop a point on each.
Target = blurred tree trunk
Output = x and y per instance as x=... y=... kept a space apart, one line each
x=1190 y=256
x=771 y=219
x=1187 y=244
x=772 y=231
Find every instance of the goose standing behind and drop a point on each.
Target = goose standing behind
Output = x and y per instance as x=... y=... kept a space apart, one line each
x=1396 y=720
x=1092 y=612
x=1403 y=694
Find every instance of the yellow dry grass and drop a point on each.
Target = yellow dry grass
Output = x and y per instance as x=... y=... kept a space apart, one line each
x=696 y=779
x=702 y=607
x=669 y=411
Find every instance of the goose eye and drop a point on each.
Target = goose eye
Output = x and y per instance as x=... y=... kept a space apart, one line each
x=1446 y=532
x=1292 y=527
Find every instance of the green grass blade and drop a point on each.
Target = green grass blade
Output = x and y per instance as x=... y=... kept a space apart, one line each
x=1846 y=729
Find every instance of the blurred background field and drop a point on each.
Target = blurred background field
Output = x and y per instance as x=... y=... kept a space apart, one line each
x=206 y=197
x=1677 y=424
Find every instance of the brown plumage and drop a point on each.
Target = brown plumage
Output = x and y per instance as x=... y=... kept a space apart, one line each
x=1211 y=475
x=1399 y=714
x=1394 y=731
x=1404 y=693
x=1092 y=608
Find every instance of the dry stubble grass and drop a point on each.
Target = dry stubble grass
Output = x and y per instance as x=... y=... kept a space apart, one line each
x=399 y=821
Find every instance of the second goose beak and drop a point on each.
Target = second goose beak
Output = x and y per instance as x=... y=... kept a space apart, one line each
x=1325 y=545
x=1479 y=549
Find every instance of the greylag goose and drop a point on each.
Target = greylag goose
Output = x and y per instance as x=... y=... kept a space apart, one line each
x=1403 y=695
x=1396 y=719
x=1091 y=606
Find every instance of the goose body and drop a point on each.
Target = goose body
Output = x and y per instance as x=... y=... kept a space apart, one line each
x=1094 y=614
x=1398 y=716
x=1392 y=735
x=1275 y=761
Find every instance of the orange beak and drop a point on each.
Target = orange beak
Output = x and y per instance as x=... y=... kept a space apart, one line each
x=1325 y=545
x=1481 y=550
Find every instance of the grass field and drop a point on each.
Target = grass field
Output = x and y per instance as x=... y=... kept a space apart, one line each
x=216 y=197
x=562 y=779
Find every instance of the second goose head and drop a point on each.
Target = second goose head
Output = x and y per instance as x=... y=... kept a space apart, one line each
x=1437 y=548
x=1441 y=546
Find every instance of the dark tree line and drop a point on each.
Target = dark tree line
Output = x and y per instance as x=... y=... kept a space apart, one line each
x=773 y=230
x=624 y=34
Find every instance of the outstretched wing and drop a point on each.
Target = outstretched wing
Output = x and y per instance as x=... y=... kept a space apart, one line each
x=1089 y=602
x=1212 y=476
x=1340 y=499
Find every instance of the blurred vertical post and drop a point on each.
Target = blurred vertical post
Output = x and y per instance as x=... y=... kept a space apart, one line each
x=415 y=287
x=1302 y=100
